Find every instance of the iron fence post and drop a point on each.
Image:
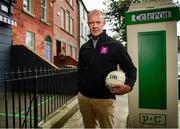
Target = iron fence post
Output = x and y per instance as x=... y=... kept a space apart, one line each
x=6 y=100
x=35 y=102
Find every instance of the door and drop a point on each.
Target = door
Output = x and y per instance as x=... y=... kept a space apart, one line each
x=48 y=48
x=58 y=48
x=152 y=69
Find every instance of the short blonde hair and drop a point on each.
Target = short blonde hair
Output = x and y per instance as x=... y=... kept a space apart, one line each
x=97 y=12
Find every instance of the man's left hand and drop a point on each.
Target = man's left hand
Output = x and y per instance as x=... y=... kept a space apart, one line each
x=120 y=89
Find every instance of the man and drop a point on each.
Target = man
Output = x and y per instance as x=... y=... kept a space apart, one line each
x=97 y=58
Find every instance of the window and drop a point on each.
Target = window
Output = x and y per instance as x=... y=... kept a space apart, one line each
x=72 y=26
x=30 y=40
x=85 y=33
x=85 y=29
x=74 y=52
x=27 y=5
x=67 y=21
x=84 y=13
x=62 y=18
x=63 y=48
x=82 y=26
x=44 y=10
x=48 y=48
x=69 y=50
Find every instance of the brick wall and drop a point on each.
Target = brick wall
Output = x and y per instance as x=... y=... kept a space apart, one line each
x=32 y=23
x=61 y=34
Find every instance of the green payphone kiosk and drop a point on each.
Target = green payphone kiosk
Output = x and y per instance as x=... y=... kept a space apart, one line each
x=152 y=44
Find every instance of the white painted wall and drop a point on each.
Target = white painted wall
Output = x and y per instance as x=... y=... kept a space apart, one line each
x=83 y=20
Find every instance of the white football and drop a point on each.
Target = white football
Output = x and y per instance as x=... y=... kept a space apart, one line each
x=115 y=78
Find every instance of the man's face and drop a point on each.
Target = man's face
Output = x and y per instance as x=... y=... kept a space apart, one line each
x=96 y=23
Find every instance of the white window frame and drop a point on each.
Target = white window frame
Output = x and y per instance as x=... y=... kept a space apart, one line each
x=28 y=5
x=30 y=40
x=83 y=13
x=67 y=21
x=85 y=33
x=63 y=48
x=71 y=26
x=62 y=18
x=69 y=50
x=82 y=29
x=74 y=53
x=44 y=10
x=48 y=52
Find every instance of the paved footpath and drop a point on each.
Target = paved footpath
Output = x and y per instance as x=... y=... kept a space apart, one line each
x=121 y=115
x=178 y=113
x=120 y=119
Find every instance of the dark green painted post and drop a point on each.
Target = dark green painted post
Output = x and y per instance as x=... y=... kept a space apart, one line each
x=152 y=70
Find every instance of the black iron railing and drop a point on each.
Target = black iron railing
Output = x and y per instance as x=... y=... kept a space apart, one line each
x=29 y=96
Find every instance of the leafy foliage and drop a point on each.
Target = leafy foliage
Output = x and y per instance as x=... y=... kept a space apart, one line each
x=115 y=15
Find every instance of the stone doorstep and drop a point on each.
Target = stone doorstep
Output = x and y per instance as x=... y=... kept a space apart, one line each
x=59 y=117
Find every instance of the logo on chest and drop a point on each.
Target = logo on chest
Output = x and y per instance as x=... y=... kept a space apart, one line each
x=104 y=50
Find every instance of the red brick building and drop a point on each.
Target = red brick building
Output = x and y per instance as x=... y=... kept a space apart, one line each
x=66 y=27
x=35 y=26
x=48 y=27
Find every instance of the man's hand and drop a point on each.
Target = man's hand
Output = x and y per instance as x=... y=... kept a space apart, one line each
x=120 y=89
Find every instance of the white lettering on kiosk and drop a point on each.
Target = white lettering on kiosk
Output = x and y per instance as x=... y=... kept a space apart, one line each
x=151 y=16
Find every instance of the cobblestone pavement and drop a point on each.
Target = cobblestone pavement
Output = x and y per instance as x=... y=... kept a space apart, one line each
x=120 y=119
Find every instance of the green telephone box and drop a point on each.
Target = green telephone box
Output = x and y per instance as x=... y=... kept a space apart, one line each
x=152 y=44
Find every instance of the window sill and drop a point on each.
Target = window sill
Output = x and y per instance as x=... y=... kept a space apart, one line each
x=67 y=32
x=45 y=22
x=29 y=13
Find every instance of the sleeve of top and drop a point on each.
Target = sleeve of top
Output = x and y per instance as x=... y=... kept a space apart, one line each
x=80 y=66
x=126 y=64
